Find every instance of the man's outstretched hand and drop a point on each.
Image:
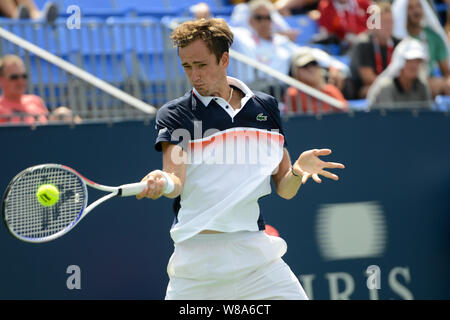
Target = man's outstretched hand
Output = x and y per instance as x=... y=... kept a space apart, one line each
x=309 y=165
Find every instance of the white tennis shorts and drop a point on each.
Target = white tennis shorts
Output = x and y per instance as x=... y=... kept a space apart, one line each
x=239 y=266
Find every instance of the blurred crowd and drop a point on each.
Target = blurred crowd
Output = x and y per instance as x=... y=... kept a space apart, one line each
x=16 y=106
x=391 y=54
x=367 y=34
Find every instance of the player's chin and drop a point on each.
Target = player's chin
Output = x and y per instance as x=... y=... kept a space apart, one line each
x=202 y=89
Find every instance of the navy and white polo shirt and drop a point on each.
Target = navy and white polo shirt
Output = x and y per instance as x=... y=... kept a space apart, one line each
x=231 y=157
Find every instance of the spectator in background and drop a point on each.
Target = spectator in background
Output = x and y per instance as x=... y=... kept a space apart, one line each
x=306 y=69
x=417 y=19
x=447 y=19
x=343 y=19
x=18 y=107
x=27 y=9
x=240 y=17
x=372 y=52
x=260 y=42
x=404 y=82
x=272 y=49
x=201 y=10
x=294 y=7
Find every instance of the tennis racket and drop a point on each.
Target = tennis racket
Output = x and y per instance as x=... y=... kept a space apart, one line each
x=30 y=221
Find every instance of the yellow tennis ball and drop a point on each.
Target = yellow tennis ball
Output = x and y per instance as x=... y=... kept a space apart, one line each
x=47 y=195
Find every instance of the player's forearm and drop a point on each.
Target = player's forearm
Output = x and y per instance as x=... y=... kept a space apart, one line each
x=289 y=185
x=174 y=165
x=178 y=186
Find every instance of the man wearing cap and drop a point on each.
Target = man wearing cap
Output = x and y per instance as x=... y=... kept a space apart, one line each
x=403 y=84
x=305 y=68
x=416 y=18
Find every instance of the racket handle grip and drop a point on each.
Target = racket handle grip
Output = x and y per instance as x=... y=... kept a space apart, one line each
x=132 y=189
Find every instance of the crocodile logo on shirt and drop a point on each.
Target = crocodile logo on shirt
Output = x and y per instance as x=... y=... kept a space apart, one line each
x=261 y=117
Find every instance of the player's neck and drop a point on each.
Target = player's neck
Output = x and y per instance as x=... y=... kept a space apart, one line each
x=236 y=98
x=224 y=91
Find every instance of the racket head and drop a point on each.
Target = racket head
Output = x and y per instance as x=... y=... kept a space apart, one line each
x=28 y=220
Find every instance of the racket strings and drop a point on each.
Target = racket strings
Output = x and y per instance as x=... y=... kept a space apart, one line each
x=27 y=218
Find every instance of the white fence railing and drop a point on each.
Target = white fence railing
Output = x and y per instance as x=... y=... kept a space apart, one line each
x=119 y=68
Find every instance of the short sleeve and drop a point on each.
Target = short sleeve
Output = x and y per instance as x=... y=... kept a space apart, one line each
x=34 y=105
x=170 y=128
x=274 y=110
x=441 y=49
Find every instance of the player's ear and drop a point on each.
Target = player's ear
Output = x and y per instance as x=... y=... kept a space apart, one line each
x=225 y=60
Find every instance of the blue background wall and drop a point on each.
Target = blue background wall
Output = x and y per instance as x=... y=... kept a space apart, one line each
x=400 y=162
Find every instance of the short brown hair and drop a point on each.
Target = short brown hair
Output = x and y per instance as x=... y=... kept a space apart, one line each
x=256 y=4
x=384 y=6
x=214 y=32
x=7 y=59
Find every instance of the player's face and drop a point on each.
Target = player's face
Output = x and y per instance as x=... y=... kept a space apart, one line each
x=12 y=80
x=205 y=74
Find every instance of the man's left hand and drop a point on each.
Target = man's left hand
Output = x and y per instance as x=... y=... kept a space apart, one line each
x=309 y=165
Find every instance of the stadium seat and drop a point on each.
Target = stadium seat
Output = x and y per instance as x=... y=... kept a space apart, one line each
x=148 y=55
x=89 y=4
x=305 y=25
x=98 y=9
x=344 y=59
x=95 y=9
x=144 y=4
x=217 y=7
x=140 y=34
x=441 y=10
x=41 y=35
x=442 y=103
x=37 y=33
x=93 y=37
x=332 y=49
x=358 y=105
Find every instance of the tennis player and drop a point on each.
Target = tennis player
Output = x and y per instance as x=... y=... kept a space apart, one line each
x=221 y=144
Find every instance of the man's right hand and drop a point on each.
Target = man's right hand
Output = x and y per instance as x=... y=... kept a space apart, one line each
x=155 y=185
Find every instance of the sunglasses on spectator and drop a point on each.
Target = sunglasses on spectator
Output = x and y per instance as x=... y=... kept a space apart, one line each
x=16 y=76
x=310 y=64
x=261 y=18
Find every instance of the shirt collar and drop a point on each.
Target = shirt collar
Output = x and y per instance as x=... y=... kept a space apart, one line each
x=206 y=100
